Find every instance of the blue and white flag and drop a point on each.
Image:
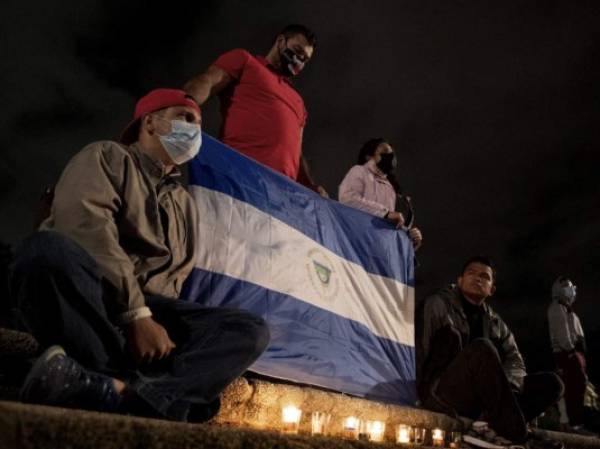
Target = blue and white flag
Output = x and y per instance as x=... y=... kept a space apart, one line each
x=334 y=284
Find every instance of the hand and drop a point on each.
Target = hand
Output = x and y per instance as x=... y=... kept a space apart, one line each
x=395 y=217
x=148 y=340
x=321 y=191
x=416 y=237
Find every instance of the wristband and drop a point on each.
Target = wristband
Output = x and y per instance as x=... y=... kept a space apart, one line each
x=134 y=314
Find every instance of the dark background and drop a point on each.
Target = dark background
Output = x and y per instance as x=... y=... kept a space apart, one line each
x=491 y=106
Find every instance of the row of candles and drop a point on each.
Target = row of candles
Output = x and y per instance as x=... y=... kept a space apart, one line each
x=354 y=428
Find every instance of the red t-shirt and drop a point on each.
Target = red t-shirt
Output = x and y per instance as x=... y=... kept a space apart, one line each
x=263 y=115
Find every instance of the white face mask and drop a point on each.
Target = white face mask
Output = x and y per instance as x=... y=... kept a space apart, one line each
x=569 y=292
x=565 y=292
x=183 y=142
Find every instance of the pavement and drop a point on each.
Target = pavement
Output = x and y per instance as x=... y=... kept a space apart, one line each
x=250 y=417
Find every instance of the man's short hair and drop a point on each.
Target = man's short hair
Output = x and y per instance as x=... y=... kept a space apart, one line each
x=484 y=260
x=295 y=29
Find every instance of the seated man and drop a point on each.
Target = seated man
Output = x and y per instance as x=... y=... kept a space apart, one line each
x=102 y=276
x=468 y=362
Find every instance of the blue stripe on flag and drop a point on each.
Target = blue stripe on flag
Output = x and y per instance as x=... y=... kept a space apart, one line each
x=313 y=346
x=302 y=262
x=381 y=251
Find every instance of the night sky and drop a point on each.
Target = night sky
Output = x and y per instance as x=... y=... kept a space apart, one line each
x=492 y=108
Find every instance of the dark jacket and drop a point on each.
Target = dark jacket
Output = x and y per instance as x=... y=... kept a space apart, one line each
x=444 y=311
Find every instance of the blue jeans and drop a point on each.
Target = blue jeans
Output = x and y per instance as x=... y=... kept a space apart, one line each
x=59 y=297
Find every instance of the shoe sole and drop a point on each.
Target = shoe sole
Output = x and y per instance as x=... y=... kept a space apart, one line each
x=478 y=442
x=47 y=355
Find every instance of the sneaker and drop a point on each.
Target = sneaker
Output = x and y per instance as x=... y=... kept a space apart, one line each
x=56 y=379
x=481 y=436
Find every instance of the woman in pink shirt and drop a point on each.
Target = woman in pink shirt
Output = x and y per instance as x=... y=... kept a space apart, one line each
x=371 y=186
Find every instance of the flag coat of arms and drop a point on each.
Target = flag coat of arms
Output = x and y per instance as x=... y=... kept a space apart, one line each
x=334 y=284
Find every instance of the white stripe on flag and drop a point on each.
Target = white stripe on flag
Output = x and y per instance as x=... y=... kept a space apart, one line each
x=238 y=240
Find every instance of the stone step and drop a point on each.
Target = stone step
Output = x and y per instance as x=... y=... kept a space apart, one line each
x=259 y=403
x=26 y=426
x=39 y=427
x=250 y=417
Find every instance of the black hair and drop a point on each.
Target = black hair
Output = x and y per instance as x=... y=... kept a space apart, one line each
x=368 y=149
x=484 y=260
x=563 y=280
x=295 y=29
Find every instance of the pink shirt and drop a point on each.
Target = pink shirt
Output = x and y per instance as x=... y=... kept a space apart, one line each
x=366 y=188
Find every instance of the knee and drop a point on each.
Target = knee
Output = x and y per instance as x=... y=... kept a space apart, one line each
x=260 y=334
x=556 y=386
x=264 y=338
x=547 y=384
x=48 y=251
x=41 y=249
x=255 y=332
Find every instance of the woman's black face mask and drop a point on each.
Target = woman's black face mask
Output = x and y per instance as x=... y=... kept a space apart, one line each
x=387 y=163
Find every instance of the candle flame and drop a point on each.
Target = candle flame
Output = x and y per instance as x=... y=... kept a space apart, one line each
x=375 y=429
x=403 y=434
x=437 y=435
x=291 y=414
x=351 y=423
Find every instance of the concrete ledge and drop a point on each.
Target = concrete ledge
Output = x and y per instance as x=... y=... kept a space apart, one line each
x=250 y=417
x=39 y=427
x=258 y=404
x=17 y=344
x=28 y=427
x=571 y=441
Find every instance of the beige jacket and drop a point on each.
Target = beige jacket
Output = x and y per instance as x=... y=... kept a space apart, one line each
x=136 y=221
x=565 y=328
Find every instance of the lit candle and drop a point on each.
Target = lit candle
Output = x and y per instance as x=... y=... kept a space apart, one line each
x=437 y=436
x=351 y=427
x=417 y=435
x=455 y=439
x=403 y=434
x=319 y=422
x=291 y=419
x=375 y=430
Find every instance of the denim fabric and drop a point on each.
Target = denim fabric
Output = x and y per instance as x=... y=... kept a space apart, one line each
x=59 y=297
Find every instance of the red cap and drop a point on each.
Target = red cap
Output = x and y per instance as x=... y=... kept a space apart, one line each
x=154 y=101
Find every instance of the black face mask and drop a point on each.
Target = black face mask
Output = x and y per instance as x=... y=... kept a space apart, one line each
x=387 y=163
x=291 y=64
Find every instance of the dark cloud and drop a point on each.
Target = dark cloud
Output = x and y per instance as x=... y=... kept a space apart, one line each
x=492 y=106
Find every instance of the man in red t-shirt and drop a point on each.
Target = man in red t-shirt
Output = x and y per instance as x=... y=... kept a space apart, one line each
x=263 y=115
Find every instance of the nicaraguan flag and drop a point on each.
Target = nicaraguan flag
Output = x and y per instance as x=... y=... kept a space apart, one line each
x=335 y=284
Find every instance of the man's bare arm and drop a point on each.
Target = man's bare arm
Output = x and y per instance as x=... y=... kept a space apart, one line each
x=306 y=180
x=304 y=177
x=207 y=84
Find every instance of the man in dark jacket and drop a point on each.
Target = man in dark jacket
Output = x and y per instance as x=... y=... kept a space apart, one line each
x=468 y=362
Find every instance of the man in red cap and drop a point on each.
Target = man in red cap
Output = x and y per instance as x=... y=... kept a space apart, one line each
x=101 y=278
x=263 y=114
